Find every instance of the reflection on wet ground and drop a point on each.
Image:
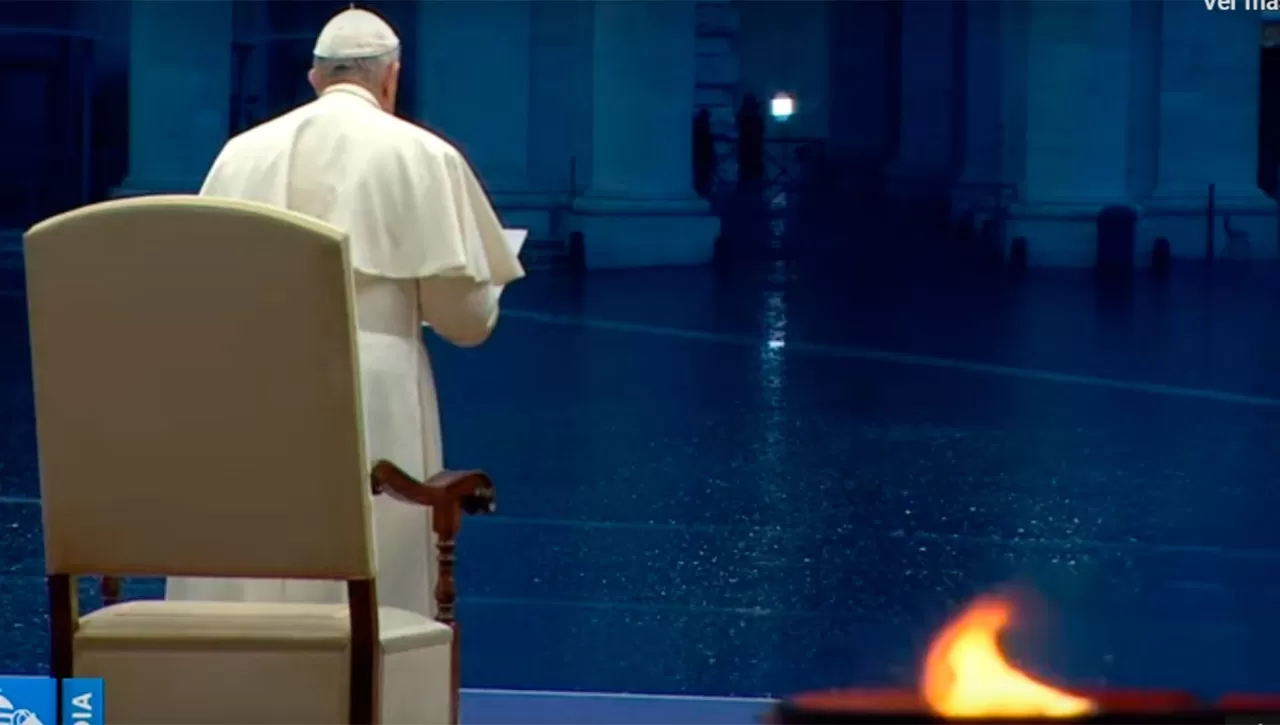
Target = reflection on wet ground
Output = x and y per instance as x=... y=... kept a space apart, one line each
x=760 y=481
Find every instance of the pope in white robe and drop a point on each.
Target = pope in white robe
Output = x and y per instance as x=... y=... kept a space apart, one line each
x=427 y=248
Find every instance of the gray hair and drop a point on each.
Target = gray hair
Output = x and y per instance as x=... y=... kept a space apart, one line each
x=363 y=71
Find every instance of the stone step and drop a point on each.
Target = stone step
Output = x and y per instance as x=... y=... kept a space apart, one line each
x=717 y=61
x=717 y=70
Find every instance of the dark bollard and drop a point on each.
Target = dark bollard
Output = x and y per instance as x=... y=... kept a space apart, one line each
x=577 y=252
x=1018 y=254
x=1161 y=257
x=1117 y=227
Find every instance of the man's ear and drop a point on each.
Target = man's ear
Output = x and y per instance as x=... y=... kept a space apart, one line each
x=393 y=77
x=391 y=87
x=311 y=78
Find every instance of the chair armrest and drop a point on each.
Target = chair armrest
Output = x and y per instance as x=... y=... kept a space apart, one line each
x=471 y=491
x=449 y=494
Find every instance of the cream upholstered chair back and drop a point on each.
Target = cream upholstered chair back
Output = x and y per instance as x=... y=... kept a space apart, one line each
x=197 y=400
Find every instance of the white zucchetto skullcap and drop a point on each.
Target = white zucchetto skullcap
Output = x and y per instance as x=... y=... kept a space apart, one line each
x=355 y=33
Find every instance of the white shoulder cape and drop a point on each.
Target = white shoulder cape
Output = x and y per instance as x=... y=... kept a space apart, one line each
x=409 y=201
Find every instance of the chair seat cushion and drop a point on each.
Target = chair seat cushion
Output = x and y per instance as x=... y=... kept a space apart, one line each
x=251 y=625
x=211 y=663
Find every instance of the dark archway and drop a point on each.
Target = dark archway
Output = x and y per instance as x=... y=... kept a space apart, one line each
x=1269 y=111
x=46 y=131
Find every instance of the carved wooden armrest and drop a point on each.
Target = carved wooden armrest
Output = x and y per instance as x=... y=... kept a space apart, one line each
x=470 y=491
x=450 y=494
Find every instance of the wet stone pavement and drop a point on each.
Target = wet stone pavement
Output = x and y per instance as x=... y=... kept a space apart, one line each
x=755 y=483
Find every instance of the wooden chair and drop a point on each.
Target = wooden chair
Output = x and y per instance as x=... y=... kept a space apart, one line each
x=198 y=414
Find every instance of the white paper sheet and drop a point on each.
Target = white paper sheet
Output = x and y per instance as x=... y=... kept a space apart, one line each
x=515 y=239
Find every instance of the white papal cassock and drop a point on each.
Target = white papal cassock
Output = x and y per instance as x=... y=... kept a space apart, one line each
x=427 y=248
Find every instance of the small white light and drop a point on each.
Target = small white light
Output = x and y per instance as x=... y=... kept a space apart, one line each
x=782 y=106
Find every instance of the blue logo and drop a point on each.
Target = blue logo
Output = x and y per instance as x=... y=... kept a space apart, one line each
x=34 y=701
x=29 y=701
x=81 y=702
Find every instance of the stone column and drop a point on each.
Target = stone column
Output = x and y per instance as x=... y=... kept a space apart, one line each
x=640 y=208
x=1208 y=134
x=474 y=89
x=560 y=117
x=925 y=157
x=1087 y=128
x=251 y=23
x=982 y=154
x=858 y=48
x=179 y=93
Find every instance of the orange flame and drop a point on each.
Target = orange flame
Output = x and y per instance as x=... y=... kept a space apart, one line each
x=966 y=674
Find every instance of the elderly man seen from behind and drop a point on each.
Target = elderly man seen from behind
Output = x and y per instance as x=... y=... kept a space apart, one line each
x=427 y=248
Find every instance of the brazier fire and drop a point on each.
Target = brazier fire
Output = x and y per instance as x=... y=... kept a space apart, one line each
x=967 y=679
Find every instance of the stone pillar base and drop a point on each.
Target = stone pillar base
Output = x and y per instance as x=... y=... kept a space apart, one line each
x=1066 y=235
x=532 y=211
x=1249 y=214
x=645 y=232
x=1062 y=234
